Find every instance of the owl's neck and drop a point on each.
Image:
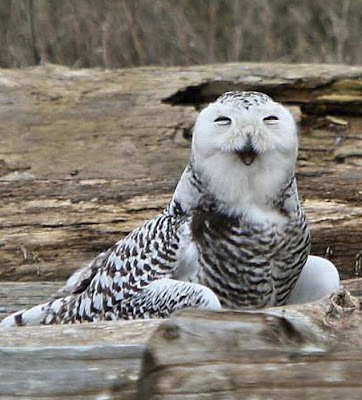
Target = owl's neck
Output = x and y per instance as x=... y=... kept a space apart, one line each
x=258 y=194
x=248 y=190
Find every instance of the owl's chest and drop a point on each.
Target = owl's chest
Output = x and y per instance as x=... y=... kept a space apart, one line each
x=241 y=260
x=242 y=238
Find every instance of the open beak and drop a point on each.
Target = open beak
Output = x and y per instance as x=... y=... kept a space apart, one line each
x=248 y=154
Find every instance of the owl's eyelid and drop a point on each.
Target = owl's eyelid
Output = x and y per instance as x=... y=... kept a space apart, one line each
x=270 y=119
x=222 y=120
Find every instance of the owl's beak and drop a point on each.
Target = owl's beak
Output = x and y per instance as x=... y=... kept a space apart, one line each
x=247 y=154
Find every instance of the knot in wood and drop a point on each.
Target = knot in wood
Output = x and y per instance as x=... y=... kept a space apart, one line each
x=171 y=332
x=343 y=303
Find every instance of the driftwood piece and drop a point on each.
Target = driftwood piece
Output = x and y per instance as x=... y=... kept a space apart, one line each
x=88 y=361
x=280 y=353
x=310 y=351
x=87 y=155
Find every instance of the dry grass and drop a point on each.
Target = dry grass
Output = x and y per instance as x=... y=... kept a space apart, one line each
x=118 y=33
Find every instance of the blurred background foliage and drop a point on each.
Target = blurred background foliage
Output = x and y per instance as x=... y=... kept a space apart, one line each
x=124 y=33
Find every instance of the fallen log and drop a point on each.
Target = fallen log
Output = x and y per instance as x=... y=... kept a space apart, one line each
x=294 y=352
x=75 y=362
x=285 y=352
x=87 y=155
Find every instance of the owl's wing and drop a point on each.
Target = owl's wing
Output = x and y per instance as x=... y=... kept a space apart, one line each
x=160 y=249
x=185 y=198
x=81 y=278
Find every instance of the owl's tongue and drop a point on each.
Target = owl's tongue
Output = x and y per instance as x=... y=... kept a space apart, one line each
x=247 y=156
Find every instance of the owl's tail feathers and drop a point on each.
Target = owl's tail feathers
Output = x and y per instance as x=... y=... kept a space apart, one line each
x=38 y=315
x=159 y=299
x=32 y=316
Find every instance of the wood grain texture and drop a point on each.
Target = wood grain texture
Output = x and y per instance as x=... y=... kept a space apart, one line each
x=87 y=155
x=15 y=296
x=89 y=361
x=293 y=351
x=313 y=347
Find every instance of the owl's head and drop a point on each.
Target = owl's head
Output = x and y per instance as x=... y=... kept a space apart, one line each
x=247 y=127
x=243 y=142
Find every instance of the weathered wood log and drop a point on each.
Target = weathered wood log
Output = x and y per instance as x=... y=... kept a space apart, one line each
x=88 y=361
x=282 y=352
x=309 y=351
x=87 y=155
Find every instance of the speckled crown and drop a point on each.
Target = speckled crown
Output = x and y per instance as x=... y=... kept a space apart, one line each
x=244 y=99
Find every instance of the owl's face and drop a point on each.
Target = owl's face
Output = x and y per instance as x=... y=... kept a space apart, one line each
x=245 y=148
x=245 y=127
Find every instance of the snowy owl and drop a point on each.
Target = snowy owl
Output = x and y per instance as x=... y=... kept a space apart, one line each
x=234 y=234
